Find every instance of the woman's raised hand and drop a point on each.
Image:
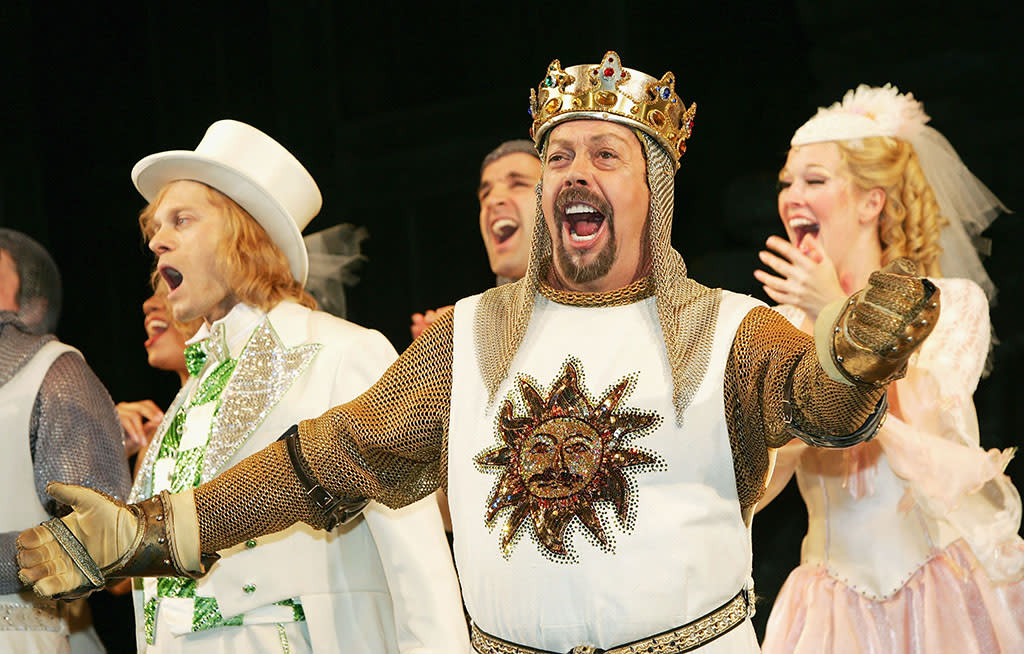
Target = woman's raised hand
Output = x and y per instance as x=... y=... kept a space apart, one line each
x=806 y=276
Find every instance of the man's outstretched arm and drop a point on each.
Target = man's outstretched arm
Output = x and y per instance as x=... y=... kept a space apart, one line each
x=389 y=444
x=828 y=391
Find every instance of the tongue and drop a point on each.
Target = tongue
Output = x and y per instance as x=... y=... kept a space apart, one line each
x=586 y=227
x=808 y=242
x=506 y=233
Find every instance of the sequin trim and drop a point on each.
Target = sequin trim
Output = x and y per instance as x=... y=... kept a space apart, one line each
x=266 y=370
x=282 y=635
x=683 y=639
x=16 y=617
x=149 y=617
x=562 y=454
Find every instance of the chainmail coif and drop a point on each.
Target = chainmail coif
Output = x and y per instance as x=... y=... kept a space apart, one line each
x=687 y=310
x=39 y=291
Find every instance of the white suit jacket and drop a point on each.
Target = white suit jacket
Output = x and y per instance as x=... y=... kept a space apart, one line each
x=382 y=583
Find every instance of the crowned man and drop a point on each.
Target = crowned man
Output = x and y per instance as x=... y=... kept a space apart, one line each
x=224 y=222
x=57 y=423
x=603 y=425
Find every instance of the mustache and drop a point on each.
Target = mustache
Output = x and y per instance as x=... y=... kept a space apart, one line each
x=575 y=194
x=549 y=475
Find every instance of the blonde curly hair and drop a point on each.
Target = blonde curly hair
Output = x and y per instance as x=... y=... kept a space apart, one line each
x=910 y=222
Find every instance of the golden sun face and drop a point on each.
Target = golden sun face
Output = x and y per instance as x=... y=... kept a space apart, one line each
x=563 y=456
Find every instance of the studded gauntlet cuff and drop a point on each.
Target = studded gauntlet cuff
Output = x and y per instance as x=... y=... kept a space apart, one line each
x=882 y=325
x=155 y=551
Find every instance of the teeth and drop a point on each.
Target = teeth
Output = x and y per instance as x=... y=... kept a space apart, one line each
x=576 y=208
x=503 y=224
x=802 y=222
x=158 y=324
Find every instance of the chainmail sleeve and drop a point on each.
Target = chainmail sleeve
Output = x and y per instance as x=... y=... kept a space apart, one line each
x=768 y=351
x=75 y=434
x=389 y=444
x=75 y=438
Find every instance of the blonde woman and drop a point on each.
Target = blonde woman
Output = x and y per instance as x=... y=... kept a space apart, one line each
x=912 y=541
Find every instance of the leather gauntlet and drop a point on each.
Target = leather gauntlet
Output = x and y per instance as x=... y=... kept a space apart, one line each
x=105 y=539
x=882 y=325
x=152 y=553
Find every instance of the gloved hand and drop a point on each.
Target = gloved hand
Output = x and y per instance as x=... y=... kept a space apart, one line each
x=105 y=539
x=882 y=325
x=104 y=526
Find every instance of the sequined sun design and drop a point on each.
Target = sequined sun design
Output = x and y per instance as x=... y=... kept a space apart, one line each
x=563 y=456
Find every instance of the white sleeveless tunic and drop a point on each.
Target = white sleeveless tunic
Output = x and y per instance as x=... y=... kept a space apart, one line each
x=29 y=623
x=683 y=550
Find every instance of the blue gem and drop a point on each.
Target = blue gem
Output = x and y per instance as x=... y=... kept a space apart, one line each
x=673 y=100
x=665 y=92
x=530 y=110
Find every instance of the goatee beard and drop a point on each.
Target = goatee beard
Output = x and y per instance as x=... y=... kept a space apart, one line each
x=583 y=273
x=569 y=263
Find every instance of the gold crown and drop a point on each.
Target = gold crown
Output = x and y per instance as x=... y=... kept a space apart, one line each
x=607 y=91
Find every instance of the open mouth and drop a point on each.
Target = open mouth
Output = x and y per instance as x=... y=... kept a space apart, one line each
x=583 y=222
x=155 y=328
x=803 y=227
x=503 y=229
x=171 y=276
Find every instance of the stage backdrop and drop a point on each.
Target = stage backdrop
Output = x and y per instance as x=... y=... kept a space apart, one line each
x=392 y=106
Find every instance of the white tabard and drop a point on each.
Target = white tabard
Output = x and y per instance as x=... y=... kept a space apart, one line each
x=29 y=623
x=683 y=550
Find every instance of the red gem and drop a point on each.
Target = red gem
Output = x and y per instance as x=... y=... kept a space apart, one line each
x=608 y=72
x=623 y=74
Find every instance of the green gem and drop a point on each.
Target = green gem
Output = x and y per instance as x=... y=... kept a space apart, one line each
x=548 y=81
x=251 y=543
x=249 y=589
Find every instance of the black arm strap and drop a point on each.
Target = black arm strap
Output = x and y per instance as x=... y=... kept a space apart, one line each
x=339 y=510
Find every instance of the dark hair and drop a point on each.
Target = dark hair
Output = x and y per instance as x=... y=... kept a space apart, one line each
x=517 y=146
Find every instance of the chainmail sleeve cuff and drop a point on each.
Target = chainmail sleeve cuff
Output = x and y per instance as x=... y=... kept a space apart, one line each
x=773 y=384
x=259 y=495
x=389 y=444
x=9 y=582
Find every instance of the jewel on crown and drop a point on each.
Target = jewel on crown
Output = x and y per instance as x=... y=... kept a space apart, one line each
x=609 y=74
x=608 y=91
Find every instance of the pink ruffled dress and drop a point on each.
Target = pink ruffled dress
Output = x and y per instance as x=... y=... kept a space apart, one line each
x=912 y=541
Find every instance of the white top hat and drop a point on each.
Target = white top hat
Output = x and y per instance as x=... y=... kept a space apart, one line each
x=252 y=169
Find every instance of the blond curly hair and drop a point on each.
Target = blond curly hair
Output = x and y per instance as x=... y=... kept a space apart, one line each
x=910 y=222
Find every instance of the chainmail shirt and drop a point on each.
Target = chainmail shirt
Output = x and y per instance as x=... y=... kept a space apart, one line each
x=75 y=435
x=390 y=444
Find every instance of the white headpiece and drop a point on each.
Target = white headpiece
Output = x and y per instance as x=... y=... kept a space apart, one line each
x=963 y=200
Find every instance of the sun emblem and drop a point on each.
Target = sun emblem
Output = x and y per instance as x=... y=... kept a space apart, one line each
x=563 y=456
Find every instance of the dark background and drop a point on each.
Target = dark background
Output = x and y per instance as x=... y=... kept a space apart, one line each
x=392 y=106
